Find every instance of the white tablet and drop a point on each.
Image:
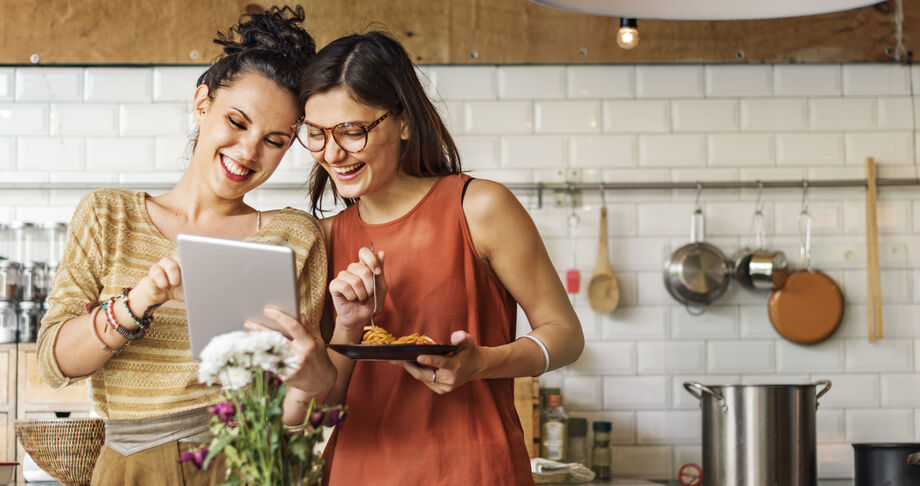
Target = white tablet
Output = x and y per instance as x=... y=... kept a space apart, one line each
x=227 y=282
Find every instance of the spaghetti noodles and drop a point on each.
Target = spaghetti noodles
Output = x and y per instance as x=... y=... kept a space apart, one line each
x=379 y=335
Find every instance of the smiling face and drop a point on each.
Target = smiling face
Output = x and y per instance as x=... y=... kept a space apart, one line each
x=244 y=131
x=374 y=167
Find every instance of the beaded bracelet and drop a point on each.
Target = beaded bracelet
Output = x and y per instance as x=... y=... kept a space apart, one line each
x=109 y=308
x=96 y=335
x=143 y=322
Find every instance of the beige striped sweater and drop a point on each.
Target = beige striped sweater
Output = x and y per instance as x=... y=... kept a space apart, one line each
x=111 y=244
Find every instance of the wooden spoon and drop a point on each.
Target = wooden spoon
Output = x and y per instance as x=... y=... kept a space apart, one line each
x=603 y=291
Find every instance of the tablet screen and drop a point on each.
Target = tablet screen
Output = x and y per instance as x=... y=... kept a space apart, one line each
x=227 y=282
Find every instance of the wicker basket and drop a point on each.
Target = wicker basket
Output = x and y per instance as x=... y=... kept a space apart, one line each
x=65 y=448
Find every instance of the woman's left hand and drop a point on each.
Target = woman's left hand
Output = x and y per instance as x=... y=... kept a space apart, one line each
x=444 y=374
x=314 y=372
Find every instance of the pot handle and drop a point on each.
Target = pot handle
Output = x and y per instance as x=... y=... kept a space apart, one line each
x=827 y=386
x=697 y=389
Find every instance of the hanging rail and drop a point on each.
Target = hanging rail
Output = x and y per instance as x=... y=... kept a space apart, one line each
x=526 y=186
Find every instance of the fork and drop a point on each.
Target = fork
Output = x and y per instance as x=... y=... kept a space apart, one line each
x=374 y=296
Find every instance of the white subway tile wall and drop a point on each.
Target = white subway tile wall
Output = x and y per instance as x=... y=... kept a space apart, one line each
x=594 y=123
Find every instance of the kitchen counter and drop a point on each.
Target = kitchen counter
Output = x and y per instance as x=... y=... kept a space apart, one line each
x=635 y=482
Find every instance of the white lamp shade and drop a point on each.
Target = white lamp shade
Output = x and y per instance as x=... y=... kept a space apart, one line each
x=705 y=9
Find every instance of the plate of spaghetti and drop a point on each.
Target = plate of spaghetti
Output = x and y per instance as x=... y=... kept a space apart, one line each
x=378 y=344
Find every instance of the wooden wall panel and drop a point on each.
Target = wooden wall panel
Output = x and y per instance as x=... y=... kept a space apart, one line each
x=90 y=32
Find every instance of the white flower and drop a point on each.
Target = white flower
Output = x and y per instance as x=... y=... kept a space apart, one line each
x=234 y=377
x=228 y=357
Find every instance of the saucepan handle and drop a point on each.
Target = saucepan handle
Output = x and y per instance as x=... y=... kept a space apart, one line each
x=697 y=389
x=827 y=386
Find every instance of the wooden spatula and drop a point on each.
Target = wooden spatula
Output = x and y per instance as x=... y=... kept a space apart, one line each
x=873 y=281
x=603 y=291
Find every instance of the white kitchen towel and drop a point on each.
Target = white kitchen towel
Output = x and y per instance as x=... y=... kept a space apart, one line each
x=553 y=471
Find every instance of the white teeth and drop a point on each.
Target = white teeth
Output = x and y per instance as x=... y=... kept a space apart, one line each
x=348 y=168
x=234 y=168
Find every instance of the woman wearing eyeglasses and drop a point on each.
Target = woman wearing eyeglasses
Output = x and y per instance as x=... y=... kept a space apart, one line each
x=454 y=257
x=120 y=252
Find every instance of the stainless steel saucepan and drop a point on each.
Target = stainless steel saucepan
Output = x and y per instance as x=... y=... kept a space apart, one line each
x=698 y=272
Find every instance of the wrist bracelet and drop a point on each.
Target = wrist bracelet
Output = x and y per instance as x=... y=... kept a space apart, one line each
x=96 y=335
x=142 y=323
x=109 y=308
x=542 y=348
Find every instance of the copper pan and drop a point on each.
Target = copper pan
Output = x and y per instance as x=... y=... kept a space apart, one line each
x=808 y=308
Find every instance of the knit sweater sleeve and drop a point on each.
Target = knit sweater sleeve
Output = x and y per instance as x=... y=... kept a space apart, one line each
x=312 y=278
x=76 y=284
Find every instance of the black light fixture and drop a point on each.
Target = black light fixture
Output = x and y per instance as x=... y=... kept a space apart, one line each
x=628 y=35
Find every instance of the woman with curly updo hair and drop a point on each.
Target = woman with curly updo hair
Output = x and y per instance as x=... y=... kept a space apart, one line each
x=121 y=251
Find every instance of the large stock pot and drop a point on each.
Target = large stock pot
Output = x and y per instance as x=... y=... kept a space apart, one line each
x=759 y=435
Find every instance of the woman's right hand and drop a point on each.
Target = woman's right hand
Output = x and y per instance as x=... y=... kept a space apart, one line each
x=163 y=282
x=353 y=288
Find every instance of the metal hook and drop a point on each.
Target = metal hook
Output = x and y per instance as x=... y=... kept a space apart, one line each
x=758 y=202
x=699 y=191
x=804 y=195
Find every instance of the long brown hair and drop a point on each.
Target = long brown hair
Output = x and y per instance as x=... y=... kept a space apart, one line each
x=376 y=70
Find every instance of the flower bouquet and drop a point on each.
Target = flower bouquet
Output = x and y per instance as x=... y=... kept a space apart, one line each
x=247 y=426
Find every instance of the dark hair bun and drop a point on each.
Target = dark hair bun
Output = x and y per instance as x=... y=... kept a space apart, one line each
x=272 y=43
x=277 y=30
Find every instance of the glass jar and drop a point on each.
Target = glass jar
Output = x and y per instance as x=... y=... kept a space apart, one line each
x=28 y=321
x=578 y=440
x=8 y=322
x=6 y=242
x=26 y=241
x=56 y=238
x=32 y=281
x=553 y=428
x=600 y=453
x=9 y=280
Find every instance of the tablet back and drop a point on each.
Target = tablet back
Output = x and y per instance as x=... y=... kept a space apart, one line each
x=227 y=282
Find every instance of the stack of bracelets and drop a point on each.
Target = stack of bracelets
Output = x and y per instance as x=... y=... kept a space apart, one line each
x=142 y=323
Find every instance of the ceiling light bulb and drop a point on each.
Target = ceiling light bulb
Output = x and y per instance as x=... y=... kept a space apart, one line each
x=628 y=35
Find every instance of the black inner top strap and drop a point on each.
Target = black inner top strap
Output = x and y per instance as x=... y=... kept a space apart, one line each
x=465 y=185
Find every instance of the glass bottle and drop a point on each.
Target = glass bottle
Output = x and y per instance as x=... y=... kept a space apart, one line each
x=600 y=454
x=578 y=440
x=553 y=426
x=28 y=321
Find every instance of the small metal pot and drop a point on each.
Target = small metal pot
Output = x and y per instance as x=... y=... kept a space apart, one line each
x=760 y=269
x=698 y=272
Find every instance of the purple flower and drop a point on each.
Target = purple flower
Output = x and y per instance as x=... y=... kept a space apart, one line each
x=224 y=410
x=196 y=457
x=336 y=417
x=316 y=419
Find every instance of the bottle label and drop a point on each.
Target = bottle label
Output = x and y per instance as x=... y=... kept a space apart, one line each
x=553 y=440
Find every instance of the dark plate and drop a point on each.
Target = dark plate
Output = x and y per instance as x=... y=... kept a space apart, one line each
x=391 y=352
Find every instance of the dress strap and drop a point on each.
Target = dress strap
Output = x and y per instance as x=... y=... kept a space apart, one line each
x=258 y=220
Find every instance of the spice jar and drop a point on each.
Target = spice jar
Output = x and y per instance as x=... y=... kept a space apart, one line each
x=28 y=321
x=9 y=280
x=8 y=325
x=578 y=440
x=600 y=454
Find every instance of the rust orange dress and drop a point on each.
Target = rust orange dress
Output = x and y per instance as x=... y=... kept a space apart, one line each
x=398 y=431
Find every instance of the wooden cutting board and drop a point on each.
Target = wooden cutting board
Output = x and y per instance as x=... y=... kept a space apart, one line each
x=526 y=402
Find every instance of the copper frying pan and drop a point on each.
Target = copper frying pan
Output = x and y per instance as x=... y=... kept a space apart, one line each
x=808 y=308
